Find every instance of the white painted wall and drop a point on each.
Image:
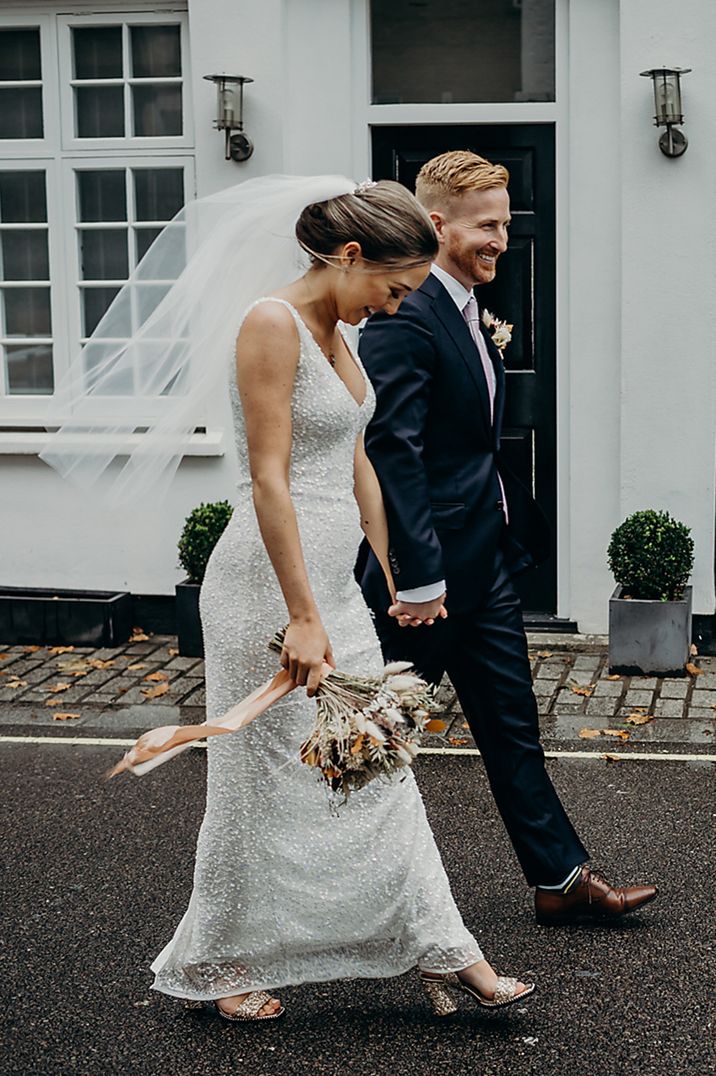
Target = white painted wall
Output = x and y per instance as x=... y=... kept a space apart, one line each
x=297 y=112
x=589 y=288
x=641 y=271
x=635 y=290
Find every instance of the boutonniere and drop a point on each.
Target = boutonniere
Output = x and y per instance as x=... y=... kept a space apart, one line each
x=502 y=334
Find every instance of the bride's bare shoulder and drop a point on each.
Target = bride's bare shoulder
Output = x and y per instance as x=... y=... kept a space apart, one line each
x=269 y=323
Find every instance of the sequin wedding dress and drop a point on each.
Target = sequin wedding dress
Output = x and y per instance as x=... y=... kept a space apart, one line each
x=287 y=891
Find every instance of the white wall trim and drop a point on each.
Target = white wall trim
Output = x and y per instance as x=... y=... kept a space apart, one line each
x=32 y=442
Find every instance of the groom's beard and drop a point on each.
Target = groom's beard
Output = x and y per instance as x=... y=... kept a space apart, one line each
x=469 y=264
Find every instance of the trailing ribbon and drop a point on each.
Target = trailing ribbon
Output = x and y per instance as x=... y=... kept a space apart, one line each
x=160 y=744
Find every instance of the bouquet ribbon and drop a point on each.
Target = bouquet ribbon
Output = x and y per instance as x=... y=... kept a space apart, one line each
x=160 y=744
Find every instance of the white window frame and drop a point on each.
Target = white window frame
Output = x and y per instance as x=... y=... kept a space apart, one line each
x=23 y=417
x=129 y=143
x=367 y=115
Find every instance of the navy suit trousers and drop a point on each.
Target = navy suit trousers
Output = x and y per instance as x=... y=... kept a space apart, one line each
x=484 y=652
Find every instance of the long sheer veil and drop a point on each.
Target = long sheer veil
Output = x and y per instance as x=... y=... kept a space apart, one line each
x=141 y=383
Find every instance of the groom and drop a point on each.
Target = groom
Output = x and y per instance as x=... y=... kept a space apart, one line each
x=461 y=526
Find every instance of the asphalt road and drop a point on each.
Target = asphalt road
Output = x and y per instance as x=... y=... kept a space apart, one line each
x=96 y=876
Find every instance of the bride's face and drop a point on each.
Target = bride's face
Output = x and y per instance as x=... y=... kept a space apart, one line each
x=361 y=292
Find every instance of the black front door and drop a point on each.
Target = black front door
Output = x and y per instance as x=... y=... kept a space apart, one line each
x=523 y=293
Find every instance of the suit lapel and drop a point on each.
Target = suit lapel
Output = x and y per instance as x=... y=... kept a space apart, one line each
x=450 y=317
x=499 y=368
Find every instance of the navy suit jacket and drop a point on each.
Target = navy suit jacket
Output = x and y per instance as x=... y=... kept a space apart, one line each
x=436 y=455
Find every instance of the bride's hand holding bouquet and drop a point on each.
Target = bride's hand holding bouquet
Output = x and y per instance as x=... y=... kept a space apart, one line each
x=306 y=651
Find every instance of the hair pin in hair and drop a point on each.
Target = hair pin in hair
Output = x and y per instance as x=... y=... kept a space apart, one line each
x=364 y=186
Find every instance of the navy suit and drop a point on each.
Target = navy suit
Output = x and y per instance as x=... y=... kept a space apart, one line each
x=436 y=453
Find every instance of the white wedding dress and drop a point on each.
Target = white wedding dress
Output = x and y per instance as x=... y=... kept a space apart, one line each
x=287 y=891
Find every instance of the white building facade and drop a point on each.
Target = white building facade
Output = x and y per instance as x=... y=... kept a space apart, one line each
x=106 y=129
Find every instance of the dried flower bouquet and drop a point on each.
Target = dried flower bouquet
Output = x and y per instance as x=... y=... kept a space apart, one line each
x=367 y=727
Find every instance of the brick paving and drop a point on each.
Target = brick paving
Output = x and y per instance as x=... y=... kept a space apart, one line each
x=147 y=682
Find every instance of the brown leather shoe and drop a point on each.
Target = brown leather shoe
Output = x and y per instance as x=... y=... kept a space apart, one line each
x=591 y=897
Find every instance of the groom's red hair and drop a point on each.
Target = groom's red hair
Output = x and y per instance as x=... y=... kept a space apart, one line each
x=451 y=174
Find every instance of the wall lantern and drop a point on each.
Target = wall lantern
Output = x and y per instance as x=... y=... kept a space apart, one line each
x=667 y=104
x=229 y=115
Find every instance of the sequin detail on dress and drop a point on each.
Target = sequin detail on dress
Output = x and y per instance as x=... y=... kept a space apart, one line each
x=284 y=891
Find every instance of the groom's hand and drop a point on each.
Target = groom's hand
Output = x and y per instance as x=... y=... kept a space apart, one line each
x=413 y=614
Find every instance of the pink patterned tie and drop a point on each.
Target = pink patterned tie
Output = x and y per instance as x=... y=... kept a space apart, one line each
x=471 y=315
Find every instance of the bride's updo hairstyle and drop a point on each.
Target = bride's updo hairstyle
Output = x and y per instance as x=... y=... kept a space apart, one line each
x=393 y=229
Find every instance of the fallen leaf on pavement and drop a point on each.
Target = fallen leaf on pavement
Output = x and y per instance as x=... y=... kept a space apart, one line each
x=60 y=649
x=155 y=692
x=58 y=687
x=15 y=683
x=614 y=676
x=64 y=717
x=580 y=689
x=638 y=718
x=542 y=654
x=4 y=657
x=54 y=702
x=157 y=676
x=136 y=667
x=593 y=734
x=694 y=650
x=98 y=663
x=138 y=636
x=610 y=758
x=457 y=741
x=693 y=670
x=31 y=649
x=173 y=652
x=434 y=725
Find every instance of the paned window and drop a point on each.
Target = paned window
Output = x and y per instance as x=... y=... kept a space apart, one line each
x=25 y=314
x=119 y=212
x=20 y=83
x=447 y=51
x=127 y=81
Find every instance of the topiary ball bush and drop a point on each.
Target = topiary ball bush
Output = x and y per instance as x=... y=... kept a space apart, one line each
x=202 y=530
x=651 y=555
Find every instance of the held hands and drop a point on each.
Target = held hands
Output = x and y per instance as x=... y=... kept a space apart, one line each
x=413 y=614
x=305 y=648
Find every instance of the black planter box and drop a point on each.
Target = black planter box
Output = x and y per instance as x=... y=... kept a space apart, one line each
x=191 y=640
x=64 y=617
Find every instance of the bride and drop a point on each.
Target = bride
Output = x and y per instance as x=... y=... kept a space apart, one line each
x=286 y=892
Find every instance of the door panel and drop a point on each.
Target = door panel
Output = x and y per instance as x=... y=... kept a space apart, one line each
x=522 y=293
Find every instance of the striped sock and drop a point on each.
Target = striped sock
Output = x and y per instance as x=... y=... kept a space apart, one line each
x=566 y=884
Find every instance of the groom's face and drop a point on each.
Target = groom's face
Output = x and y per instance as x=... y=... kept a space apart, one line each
x=473 y=234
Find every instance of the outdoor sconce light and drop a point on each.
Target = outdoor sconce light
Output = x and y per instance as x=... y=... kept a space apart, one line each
x=667 y=103
x=229 y=115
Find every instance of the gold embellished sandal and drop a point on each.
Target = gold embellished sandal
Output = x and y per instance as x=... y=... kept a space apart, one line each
x=437 y=989
x=249 y=1008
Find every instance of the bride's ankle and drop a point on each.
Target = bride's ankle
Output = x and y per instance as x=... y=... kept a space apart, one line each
x=481 y=975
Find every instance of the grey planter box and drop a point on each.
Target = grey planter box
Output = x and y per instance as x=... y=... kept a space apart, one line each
x=64 y=617
x=191 y=640
x=649 y=638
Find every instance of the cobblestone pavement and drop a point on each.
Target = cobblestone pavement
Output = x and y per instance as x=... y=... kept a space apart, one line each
x=146 y=683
